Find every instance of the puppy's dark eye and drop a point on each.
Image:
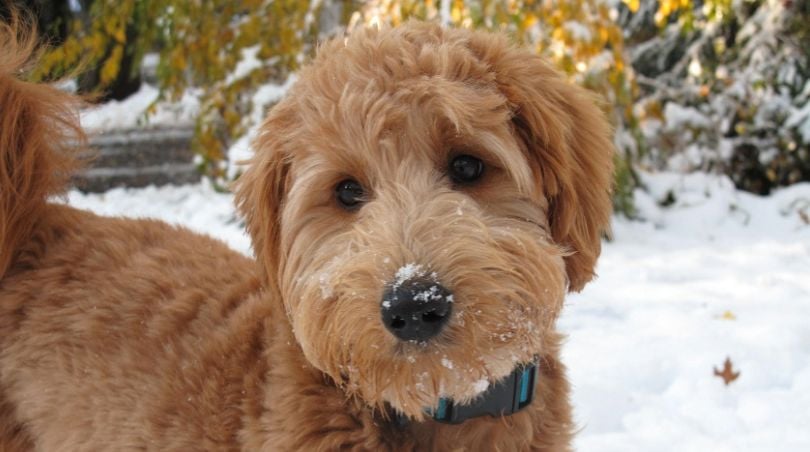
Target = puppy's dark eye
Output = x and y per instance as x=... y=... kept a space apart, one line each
x=350 y=194
x=465 y=169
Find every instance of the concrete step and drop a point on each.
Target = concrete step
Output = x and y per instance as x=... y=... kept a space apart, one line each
x=139 y=157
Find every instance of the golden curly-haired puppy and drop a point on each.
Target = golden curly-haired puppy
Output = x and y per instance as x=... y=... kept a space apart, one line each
x=419 y=205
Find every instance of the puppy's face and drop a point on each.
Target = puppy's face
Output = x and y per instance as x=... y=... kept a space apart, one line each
x=422 y=200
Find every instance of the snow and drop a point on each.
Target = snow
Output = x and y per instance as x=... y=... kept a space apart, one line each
x=431 y=293
x=134 y=111
x=578 y=31
x=446 y=18
x=719 y=273
x=198 y=207
x=407 y=272
x=801 y=120
x=266 y=96
x=247 y=64
x=679 y=117
x=326 y=288
x=481 y=385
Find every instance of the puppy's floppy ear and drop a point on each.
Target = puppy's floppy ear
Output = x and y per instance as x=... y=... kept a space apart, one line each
x=261 y=190
x=569 y=144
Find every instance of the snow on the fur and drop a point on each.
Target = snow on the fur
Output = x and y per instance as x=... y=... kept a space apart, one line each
x=326 y=287
x=481 y=385
x=408 y=272
x=718 y=274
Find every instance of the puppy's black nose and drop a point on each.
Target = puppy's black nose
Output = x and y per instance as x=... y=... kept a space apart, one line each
x=416 y=310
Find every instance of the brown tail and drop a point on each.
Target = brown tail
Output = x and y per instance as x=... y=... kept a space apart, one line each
x=39 y=130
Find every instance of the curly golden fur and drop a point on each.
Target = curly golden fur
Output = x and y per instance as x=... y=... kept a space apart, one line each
x=123 y=334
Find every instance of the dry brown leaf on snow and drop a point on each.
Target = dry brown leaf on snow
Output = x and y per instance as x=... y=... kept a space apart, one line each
x=727 y=374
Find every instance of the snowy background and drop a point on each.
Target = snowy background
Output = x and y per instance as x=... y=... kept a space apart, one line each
x=720 y=273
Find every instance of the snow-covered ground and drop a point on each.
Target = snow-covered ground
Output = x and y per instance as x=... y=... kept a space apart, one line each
x=717 y=274
x=140 y=110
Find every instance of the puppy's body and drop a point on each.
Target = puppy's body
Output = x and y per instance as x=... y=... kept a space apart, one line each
x=119 y=333
x=131 y=334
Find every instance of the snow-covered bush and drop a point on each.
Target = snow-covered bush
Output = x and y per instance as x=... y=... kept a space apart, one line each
x=725 y=86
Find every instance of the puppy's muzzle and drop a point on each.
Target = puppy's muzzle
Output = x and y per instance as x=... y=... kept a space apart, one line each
x=416 y=310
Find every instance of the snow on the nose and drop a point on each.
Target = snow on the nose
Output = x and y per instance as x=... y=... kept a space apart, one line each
x=408 y=272
x=430 y=294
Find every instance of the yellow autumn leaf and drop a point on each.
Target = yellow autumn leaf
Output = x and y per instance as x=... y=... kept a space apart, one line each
x=111 y=67
x=455 y=14
x=120 y=35
x=529 y=21
x=728 y=315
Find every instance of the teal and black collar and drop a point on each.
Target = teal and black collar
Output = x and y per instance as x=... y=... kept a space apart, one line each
x=507 y=396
